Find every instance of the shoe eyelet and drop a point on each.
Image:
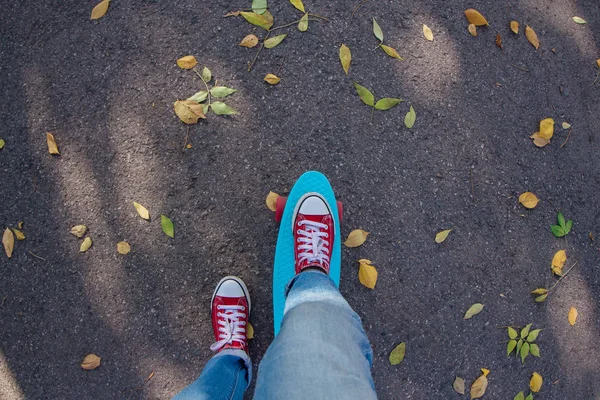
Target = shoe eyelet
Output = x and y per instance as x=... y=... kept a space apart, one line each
x=326 y=226
x=218 y=307
x=297 y=232
x=244 y=308
x=327 y=235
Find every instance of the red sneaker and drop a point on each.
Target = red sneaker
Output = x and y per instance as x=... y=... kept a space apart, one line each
x=230 y=312
x=313 y=228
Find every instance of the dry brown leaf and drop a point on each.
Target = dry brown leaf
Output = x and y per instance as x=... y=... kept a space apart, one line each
x=91 y=361
x=187 y=62
x=427 y=33
x=272 y=79
x=472 y=29
x=85 y=245
x=459 y=383
x=52 y=146
x=356 y=238
x=528 y=199
x=514 y=26
x=271 y=201
x=479 y=386
x=573 y=316
x=20 y=224
x=539 y=141
x=150 y=376
x=100 y=9
x=532 y=37
x=123 y=247
x=79 y=230
x=474 y=17
x=249 y=331
x=188 y=111
x=499 y=41
x=19 y=235
x=249 y=41
x=232 y=14
x=8 y=240
x=367 y=274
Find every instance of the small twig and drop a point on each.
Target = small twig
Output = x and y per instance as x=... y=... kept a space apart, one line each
x=378 y=46
x=280 y=66
x=557 y=210
x=358 y=6
x=567 y=139
x=258 y=52
x=561 y=278
x=318 y=16
x=472 y=186
x=520 y=68
x=43 y=259
x=597 y=75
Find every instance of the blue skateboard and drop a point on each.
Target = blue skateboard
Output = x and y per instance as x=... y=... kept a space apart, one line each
x=284 y=270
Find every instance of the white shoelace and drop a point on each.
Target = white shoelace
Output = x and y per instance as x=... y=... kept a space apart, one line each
x=230 y=327
x=313 y=247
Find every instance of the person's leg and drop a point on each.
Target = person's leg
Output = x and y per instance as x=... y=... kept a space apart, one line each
x=227 y=375
x=321 y=352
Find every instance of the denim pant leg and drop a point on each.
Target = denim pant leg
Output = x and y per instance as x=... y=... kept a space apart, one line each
x=321 y=352
x=224 y=377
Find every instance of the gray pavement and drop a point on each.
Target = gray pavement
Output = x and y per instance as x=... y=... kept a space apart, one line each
x=106 y=89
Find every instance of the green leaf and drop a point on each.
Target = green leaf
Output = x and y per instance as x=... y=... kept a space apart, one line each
x=533 y=335
x=377 y=30
x=534 y=350
x=206 y=75
x=1 y=144
x=524 y=351
x=259 y=6
x=397 y=355
x=561 y=220
x=257 y=19
x=473 y=310
x=540 y=291
x=199 y=97
x=274 y=41
x=512 y=333
x=387 y=103
x=364 y=94
x=345 y=57
x=205 y=108
x=167 y=226
x=303 y=24
x=298 y=4
x=557 y=230
x=519 y=396
x=510 y=347
x=529 y=396
x=519 y=345
x=541 y=299
x=221 y=108
x=569 y=226
x=221 y=91
x=579 y=20
x=525 y=331
x=410 y=118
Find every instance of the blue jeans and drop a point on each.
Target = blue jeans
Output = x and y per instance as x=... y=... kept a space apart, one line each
x=321 y=352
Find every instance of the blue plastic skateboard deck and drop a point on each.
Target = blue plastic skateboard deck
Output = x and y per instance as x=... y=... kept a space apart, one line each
x=284 y=271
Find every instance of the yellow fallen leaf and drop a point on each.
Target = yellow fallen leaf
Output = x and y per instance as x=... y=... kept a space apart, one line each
x=79 y=230
x=123 y=247
x=474 y=17
x=473 y=310
x=485 y=371
x=345 y=57
x=356 y=238
x=441 y=236
x=598 y=62
x=85 y=245
x=573 y=316
x=298 y=4
x=8 y=240
x=397 y=355
x=142 y=211
x=367 y=274
x=1 y=143
x=187 y=62
x=19 y=235
x=100 y=9
x=528 y=199
x=478 y=387
x=272 y=79
x=499 y=41
x=532 y=37
x=566 y=125
x=20 y=224
x=91 y=361
x=459 y=383
x=390 y=51
x=539 y=141
x=546 y=128
x=535 y=384
x=188 y=111
x=249 y=331
x=249 y=41
x=52 y=146
x=558 y=261
x=472 y=29
x=427 y=33
x=514 y=26
x=271 y=201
